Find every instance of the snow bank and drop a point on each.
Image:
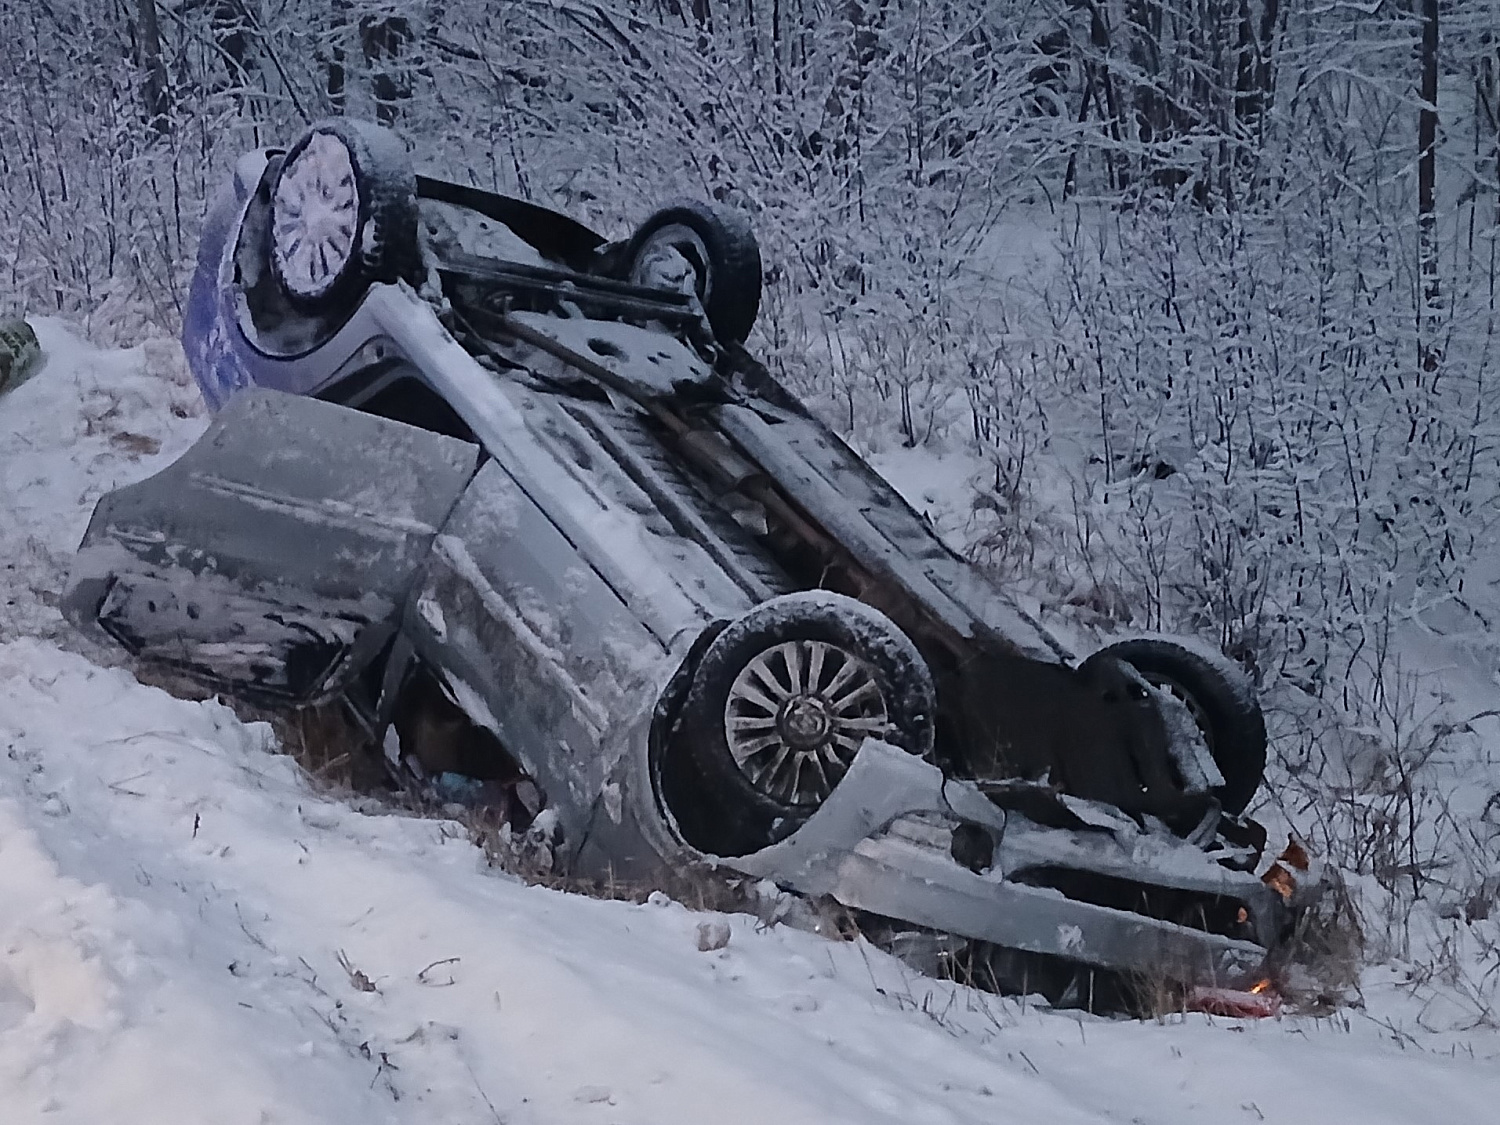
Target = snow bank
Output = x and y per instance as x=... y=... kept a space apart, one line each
x=191 y=933
x=89 y=420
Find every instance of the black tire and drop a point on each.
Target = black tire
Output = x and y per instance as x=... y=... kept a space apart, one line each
x=373 y=240
x=1220 y=697
x=721 y=248
x=728 y=809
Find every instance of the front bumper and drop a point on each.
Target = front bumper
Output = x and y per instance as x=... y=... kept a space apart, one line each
x=882 y=843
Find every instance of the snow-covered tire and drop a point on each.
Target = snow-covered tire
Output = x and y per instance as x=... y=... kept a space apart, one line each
x=343 y=214
x=720 y=247
x=777 y=709
x=1221 y=699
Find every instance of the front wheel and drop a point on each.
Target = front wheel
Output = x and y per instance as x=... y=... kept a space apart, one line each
x=779 y=706
x=1221 y=699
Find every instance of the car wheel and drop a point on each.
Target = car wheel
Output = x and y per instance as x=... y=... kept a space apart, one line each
x=722 y=259
x=778 y=707
x=1221 y=699
x=343 y=214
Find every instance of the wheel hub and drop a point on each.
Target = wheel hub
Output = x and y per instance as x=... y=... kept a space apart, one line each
x=675 y=258
x=804 y=722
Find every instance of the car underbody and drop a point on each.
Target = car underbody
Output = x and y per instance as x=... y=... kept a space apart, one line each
x=533 y=514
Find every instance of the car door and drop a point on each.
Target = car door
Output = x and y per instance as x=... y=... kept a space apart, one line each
x=272 y=560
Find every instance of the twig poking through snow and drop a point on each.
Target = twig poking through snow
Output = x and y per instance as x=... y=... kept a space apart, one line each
x=422 y=976
x=493 y=1111
x=357 y=977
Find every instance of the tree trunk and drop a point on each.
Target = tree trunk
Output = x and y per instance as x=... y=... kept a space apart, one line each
x=1099 y=39
x=776 y=46
x=1487 y=125
x=383 y=40
x=336 y=76
x=1427 y=121
x=154 y=84
x=227 y=22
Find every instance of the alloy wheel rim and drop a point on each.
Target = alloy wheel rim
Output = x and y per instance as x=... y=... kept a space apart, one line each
x=315 y=216
x=797 y=714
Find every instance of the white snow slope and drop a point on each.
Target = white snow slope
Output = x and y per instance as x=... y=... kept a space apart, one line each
x=190 y=932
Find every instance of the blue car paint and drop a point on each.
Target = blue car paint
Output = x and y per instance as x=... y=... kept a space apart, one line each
x=220 y=355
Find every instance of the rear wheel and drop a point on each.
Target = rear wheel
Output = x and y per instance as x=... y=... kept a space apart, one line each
x=779 y=706
x=711 y=251
x=343 y=214
x=1221 y=699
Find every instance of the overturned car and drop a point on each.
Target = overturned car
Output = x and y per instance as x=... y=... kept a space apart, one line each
x=519 y=497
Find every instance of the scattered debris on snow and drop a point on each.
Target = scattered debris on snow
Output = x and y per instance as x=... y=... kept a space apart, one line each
x=712 y=935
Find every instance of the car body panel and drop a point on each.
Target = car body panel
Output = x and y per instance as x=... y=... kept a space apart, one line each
x=275 y=556
x=554 y=685
x=879 y=843
x=868 y=516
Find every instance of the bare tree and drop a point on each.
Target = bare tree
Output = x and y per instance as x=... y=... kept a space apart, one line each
x=1427 y=124
x=335 y=77
x=385 y=38
x=154 y=91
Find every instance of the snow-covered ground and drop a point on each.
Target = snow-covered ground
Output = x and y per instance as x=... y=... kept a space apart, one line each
x=192 y=932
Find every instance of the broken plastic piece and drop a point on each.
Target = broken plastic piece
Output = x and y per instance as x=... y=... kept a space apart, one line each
x=1281 y=876
x=1260 y=1001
